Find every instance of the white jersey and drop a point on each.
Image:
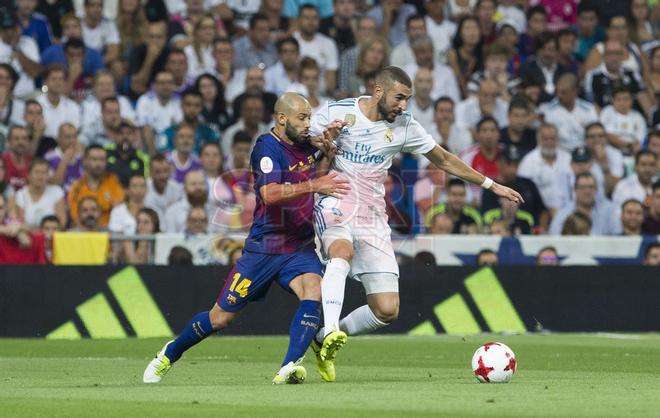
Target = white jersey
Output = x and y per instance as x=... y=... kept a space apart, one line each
x=365 y=149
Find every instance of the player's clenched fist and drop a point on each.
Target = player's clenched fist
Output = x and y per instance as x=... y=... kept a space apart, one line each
x=330 y=185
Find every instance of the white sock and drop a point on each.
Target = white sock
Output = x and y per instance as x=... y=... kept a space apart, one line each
x=332 y=292
x=361 y=321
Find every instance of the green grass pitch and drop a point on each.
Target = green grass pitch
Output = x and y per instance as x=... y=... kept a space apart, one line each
x=558 y=375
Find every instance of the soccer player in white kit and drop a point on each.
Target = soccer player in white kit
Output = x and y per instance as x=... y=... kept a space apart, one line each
x=353 y=230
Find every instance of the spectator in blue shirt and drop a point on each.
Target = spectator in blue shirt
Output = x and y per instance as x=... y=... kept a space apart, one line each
x=191 y=107
x=92 y=61
x=34 y=25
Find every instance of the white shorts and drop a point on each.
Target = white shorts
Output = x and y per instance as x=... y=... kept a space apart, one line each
x=366 y=227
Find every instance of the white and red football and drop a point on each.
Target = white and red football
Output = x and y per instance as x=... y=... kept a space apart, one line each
x=494 y=363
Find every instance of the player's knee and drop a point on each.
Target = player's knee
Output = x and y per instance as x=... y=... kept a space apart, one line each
x=220 y=319
x=387 y=311
x=341 y=249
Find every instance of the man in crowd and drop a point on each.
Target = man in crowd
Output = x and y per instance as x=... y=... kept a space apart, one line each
x=162 y=190
x=604 y=220
x=97 y=183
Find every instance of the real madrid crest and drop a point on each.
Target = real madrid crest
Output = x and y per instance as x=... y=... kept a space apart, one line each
x=389 y=135
x=350 y=120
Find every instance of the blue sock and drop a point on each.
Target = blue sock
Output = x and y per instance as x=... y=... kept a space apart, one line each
x=304 y=325
x=197 y=329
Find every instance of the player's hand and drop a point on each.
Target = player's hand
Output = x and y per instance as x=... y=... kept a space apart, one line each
x=506 y=192
x=325 y=144
x=334 y=129
x=331 y=185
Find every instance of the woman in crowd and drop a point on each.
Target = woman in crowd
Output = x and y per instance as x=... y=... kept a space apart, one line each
x=132 y=27
x=641 y=30
x=200 y=52
x=374 y=55
x=214 y=111
x=465 y=56
x=38 y=198
x=142 y=251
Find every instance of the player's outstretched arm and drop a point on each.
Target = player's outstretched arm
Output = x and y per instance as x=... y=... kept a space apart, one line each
x=453 y=165
x=277 y=193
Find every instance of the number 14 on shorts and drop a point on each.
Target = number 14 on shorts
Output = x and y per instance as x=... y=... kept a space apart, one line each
x=239 y=285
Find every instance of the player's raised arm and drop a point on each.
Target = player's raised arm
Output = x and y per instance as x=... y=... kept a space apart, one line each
x=453 y=165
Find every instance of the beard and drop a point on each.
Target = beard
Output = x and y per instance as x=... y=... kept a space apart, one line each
x=197 y=197
x=388 y=114
x=298 y=137
x=548 y=152
x=89 y=222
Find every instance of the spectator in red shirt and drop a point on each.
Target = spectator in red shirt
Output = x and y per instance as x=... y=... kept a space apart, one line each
x=483 y=156
x=17 y=158
x=17 y=245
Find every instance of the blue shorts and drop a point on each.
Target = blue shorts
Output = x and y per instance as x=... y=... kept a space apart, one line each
x=254 y=272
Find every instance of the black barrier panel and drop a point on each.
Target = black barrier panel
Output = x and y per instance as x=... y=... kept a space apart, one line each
x=117 y=302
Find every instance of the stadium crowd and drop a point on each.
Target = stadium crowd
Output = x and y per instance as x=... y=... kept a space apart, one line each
x=138 y=117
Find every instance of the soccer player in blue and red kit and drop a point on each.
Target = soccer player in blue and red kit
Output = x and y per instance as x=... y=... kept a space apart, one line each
x=280 y=245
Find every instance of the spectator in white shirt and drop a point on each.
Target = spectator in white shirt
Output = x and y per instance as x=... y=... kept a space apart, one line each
x=197 y=221
x=56 y=106
x=199 y=53
x=232 y=78
x=545 y=163
x=444 y=81
x=625 y=127
x=195 y=195
x=569 y=113
x=486 y=103
x=162 y=190
x=604 y=218
x=421 y=104
x=103 y=88
x=318 y=46
x=38 y=198
x=638 y=185
x=310 y=76
x=439 y=28
x=105 y=130
x=402 y=54
x=605 y=156
x=581 y=162
x=156 y=111
x=284 y=73
x=100 y=33
x=123 y=216
x=22 y=52
x=449 y=135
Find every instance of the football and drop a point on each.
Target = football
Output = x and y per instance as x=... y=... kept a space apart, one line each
x=494 y=363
